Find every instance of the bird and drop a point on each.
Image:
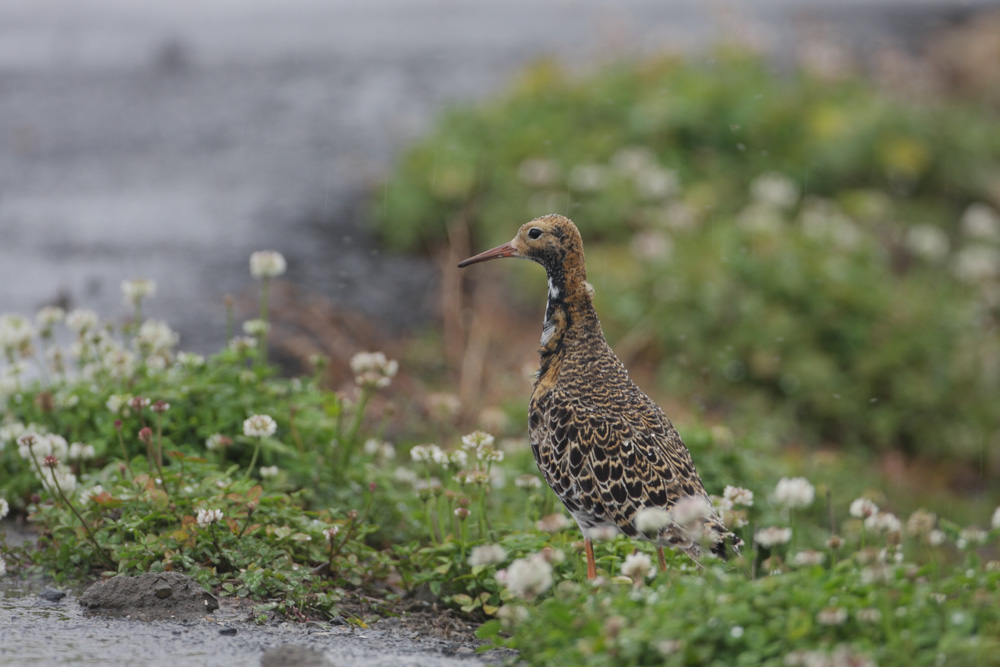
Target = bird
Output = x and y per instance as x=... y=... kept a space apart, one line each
x=604 y=447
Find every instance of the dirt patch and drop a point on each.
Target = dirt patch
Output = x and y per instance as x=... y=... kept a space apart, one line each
x=150 y=597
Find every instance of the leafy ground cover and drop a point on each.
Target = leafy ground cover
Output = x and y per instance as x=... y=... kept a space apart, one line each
x=826 y=284
x=811 y=247
x=129 y=457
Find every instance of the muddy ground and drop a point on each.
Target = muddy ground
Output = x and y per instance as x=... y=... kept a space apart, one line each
x=44 y=625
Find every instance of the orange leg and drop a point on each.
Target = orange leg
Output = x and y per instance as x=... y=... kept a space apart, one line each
x=588 y=546
x=661 y=559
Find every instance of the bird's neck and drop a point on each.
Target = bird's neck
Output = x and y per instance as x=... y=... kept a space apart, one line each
x=569 y=316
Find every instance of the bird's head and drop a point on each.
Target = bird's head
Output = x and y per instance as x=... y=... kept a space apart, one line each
x=551 y=240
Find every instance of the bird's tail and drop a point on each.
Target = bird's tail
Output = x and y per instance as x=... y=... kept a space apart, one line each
x=728 y=546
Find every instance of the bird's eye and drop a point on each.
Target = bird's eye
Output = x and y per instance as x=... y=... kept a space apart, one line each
x=534 y=233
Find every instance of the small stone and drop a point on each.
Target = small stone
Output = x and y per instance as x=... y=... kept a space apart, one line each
x=464 y=650
x=228 y=632
x=163 y=591
x=52 y=594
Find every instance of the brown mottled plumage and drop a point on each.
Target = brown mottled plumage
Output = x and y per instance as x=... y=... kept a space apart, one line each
x=603 y=446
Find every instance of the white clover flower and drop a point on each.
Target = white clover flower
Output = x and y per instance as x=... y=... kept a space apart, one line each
x=16 y=333
x=995 y=522
x=267 y=472
x=530 y=481
x=794 y=492
x=972 y=535
x=538 y=172
x=208 y=517
x=487 y=554
x=981 y=221
x=87 y=495
x=57 y=475
x=772 y=536
x=921 y=522
x=668 y=647
x=738 y=495
x=79 y=451
x=57 y=445
x=651 y=245
x=267 y=264
x=651 y=520
x=926 y=241
x=832 y=616
x=862 y=508
x=808 y=557
x=588 y=177
x=256 y=327
x=775 y=190
x=884 y=522
x=477 y=440
x=631 y=160
x=259 y=426
x=4 y=508
x=420 y=453
x=869 y=615
x=464 y=477
x=217 y=441
x=552 y=523
x=528 y=578
x=156 y=338
x=638 y=566
x=736 y=631
x=439 y=456
x=82 y=321
x=331 y=532
x=190 y=359
x=10 y=432
x=119 y=363
x=49 y=316
x=936 y=538
x=689 y=511
x=373 y=370
x=443 y=406
x=655 y=183
x=116 y=402
x=136 y=290
x=976 y=264
x=242 y=344
x=459 y=458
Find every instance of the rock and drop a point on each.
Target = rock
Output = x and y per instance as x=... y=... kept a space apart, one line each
x=228 y=632
x=291 y=655
x=52 y=594
x=150 y=597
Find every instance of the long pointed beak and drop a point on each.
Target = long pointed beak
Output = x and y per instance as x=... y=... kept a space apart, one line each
x=505 y=250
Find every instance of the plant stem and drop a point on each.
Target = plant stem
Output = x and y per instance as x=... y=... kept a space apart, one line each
x=265 y=285
x=90 y=535
x=253 y=459
x=359 y=414
x=128 y=465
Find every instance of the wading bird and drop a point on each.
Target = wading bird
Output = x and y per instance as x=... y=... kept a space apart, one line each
x=605 y=448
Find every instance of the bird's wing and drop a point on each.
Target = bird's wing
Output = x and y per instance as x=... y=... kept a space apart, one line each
x=613 y=459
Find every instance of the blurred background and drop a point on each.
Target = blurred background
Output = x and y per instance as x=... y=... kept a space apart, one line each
x=789 y=206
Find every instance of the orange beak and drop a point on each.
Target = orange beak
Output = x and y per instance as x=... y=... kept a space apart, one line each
x=505 y=250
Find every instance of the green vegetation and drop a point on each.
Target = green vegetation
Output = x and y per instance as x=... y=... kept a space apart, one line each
x=796 y=247
x=801 y=249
